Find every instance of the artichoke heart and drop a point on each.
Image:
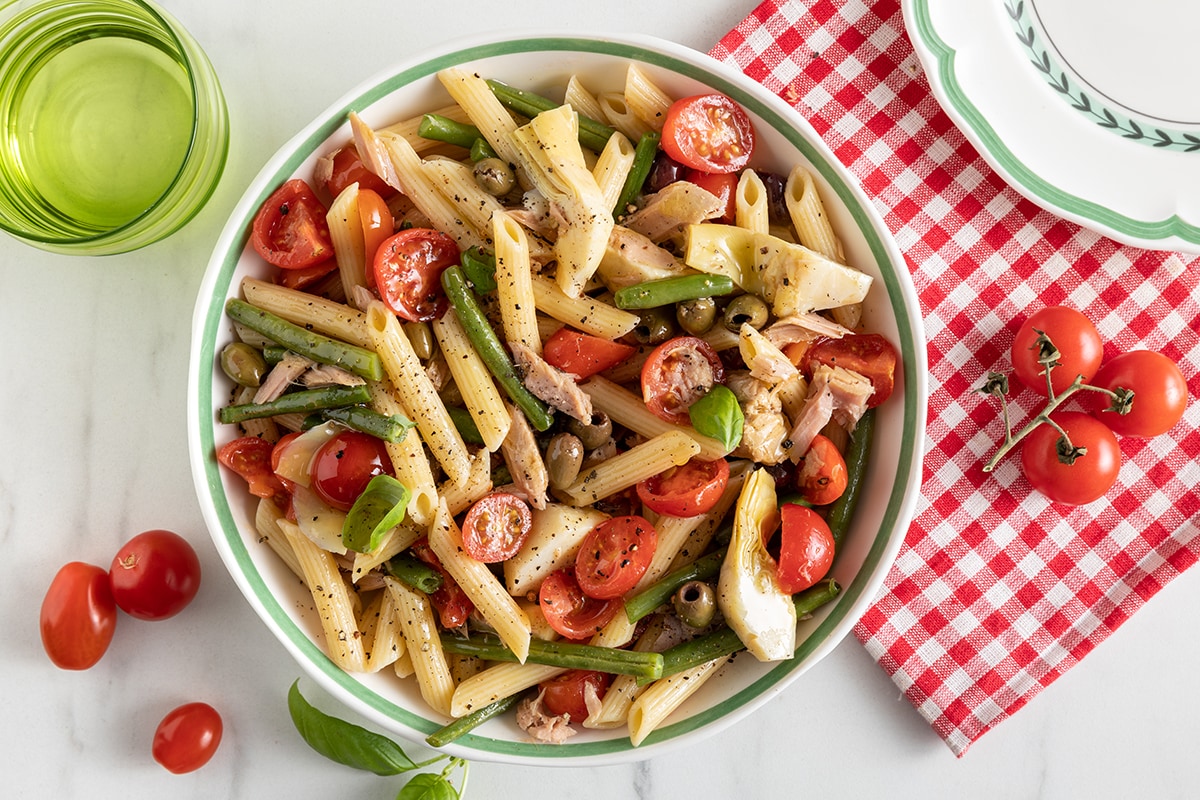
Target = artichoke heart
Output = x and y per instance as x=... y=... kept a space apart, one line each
x=759 y=612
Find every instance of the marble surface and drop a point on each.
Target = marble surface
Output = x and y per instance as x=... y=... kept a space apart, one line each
x=92 y=418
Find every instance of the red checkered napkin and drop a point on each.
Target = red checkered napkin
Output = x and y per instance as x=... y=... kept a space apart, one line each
x=996 y=592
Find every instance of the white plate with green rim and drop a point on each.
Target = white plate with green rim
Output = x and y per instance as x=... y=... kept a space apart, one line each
x=543 y=63
x=1086 y=107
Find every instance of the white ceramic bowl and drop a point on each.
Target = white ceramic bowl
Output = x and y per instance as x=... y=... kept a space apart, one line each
x=543 y=63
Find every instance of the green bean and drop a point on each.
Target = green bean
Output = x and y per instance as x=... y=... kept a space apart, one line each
x=666 y=291
x=414 y=572
x=274 y=353
x=479 y=266
x=491 y=350
x=571 y=655
x=643 y=160
x=444 y=129
x=362 y=362
x=592 y=134
x=481 y=150
x=468 y=723
x=725 y=642
x=465 y=424
x=390 y=428
x=842 y=510
x=657 y=593
x=300 y=402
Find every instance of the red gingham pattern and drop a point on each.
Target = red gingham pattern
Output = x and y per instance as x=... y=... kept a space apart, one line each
x=996 y=592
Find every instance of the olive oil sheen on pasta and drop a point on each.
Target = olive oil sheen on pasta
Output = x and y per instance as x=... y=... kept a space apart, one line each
x=107 y=126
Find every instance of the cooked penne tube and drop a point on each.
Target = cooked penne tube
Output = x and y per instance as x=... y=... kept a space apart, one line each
x=336 y=320
x=480 y=584
x=585 y=313
x=415 y=613
x=809 y=217
x=612 y=168
x=479 y=483
x=518 y=312
x=660 y=699
x=645 y=98
x=395 y=541
x=331 y=599
x=618 y=114
x=492 y=119
x=346 y=235
x=474 y=382
x=751 y=203
x=579 y=98
x=416 y=393
x=499 y=681
x=626 y=408
x=266 y=523
x=381 y=632
x=669 y=449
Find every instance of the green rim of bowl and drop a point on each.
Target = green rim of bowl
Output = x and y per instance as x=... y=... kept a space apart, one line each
x=897 y=509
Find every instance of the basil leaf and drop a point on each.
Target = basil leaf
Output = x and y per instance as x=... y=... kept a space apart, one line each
x=377 y=510
x=345 y=742
x=428 y=786
x=718 y=416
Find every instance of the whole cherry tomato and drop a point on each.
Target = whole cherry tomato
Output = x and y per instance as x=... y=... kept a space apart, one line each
x=187 y=737
x=78 y=616
x=1074 y=337
x=154 y=575
x=806 y=548
x=343 y=466
x=821 y=476
x=1160 y=394
x=1072 y=478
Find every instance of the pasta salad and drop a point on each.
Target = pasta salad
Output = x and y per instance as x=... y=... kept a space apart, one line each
x=554 y=405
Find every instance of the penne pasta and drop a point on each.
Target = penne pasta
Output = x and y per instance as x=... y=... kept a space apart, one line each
x=422 y=645
x=514 y=288
x=580 y=99
x=666 y=450
x=612 y=168
x=479 y=483
x=331 y=599
x=408 y=458
x=618 y=114
x=336 y=320
x=752 y=204
x=493 y=120
x=346 y=235
x=473 y=380
x=497 y=682
x=585 y=313
x=645 y=98
x=808 y=215
x=665 y=695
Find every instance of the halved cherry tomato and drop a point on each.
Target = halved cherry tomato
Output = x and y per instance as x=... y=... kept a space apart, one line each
x=290 y=230
x=571 y=613
x=495 y=527
x=723 y=185
x=187 y=737
x=377 y=226
x=78 y=616
x=868 y=354
x=614 y=556
x=805 y=548
x=452 y=604
x=678 y=373
x=1160 y=393
x=307 y=276
x=154 y=575
x=1091 y=474
x=408 y=272
x=1079 y=346
x=686 y=491
x=566 y=693
x=708 y=132
x=583 y=355
x=821 y=477
x=347 y=168
x=343 y=466
x=250 y=457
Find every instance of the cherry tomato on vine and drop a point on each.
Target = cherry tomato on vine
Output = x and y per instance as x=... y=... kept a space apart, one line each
x=495 y=527
x=686 y=491
x=583 y=355
x=343 y=466
x=570 y=612
x=78 y=616
x=566 y=693
x=1073 y=335
x=806 y=548
x=250 y=457
x=154 y=575
x=187 y=737
x=290 y=230
x=869 y=354
x=1089 y=477
x=708 y=132
x=614 y=556
x=1160 y=394
x=408 y=272
x=821 y=476
x=678 y=373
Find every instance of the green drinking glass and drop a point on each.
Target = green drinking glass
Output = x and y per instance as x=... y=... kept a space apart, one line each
x=115 y=131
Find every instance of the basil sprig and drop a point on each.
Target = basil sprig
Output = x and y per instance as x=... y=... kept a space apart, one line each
x=717 y=415
x=357 y=747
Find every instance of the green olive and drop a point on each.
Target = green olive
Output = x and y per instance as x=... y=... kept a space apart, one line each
x=695 y=603
x=564 y=457
x=696 y=316
x=243 y=364
x=420 y=336
x=746 y=308
x=494 y=176
x=593 y=434
x=655 y=325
